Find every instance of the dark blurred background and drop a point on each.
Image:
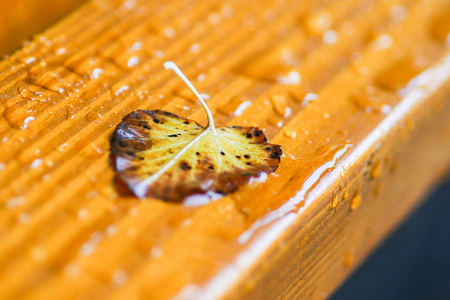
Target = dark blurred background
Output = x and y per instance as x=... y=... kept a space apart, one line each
x=414 y=262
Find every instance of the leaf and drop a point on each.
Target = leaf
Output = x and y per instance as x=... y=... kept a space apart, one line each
x=158 y=154
x=161 y=155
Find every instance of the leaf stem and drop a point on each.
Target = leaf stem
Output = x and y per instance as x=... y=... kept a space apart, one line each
x=172 y=66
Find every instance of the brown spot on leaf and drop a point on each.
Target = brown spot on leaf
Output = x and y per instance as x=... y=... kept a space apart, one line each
x=185 y=166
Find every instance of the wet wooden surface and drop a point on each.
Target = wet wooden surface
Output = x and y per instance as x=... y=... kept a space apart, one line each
x=356 y=92
x=21 y=18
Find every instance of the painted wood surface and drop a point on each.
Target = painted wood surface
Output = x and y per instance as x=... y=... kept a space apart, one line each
x=19 y=19
x=356 y=93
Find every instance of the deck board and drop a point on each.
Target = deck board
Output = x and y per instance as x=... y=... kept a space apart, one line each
x=369 y=143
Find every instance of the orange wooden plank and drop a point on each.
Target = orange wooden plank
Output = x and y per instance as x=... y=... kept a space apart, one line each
x=21 y=18
x=355 y=92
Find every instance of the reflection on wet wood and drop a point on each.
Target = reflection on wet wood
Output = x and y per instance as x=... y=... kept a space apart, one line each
x=355 y=92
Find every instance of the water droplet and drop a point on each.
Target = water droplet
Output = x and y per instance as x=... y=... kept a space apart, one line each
x=156 y=252
x=290 y=134
x=68 y=111
x=399 y=12
x=227 y=11
x=292 y=78
x=385 y=109
x=330 y=37
x=195 y=48
x=181 y=107
x=362 y=70
x=50 y=79
x=371 y=99
x=132 y=61
x=18 y=117
x=96 y=237
x=97 y=149
x=134 y=211
x=120 y=277
x=169 y=32
x=310 y=97
x=243 y=106
x=33 y=93
x=334 y=202
x=159 y=53
x=356 y=201
x=48 y=162
x=61 y=51
x=38 y=254
x=440 y=27
x=24 y=218
x=384 y=41
x=136 y=46
x=121 y=89
x=214 y=18
x=62 y=147
x=275 y=122
x=82 y=214
x=398 y=75
x=279 y=104
x=235 y=106
x=96 y=73
x=36 y=163
x=375 y=172
x=110 y=230
x=260 y=179
x=348 y=259
x=71 y=270
x=346 y=194
x=201 y=77
x=319 y=22
x=15 y=202
x=87 y=249
x=27 y=59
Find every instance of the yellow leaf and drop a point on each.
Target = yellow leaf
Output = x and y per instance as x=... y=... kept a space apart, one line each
x=159 y=154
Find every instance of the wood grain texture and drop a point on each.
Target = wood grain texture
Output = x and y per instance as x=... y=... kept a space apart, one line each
x=21 y=18
x=335 y=83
